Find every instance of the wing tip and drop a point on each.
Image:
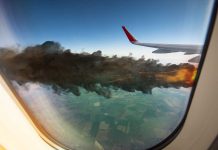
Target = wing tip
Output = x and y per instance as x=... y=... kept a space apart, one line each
x=129 y=35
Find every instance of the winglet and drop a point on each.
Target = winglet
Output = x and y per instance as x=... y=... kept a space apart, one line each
x=129 y=36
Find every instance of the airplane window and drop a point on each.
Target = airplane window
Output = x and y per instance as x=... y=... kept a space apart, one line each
x=112 y=75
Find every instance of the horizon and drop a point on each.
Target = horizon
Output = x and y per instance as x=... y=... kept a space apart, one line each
x=90 y=26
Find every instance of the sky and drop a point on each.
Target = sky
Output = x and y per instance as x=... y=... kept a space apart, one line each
x=90 y=25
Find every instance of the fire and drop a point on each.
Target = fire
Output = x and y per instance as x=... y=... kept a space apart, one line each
x=182 y=75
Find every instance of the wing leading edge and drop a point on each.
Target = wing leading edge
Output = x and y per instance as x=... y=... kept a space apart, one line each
x=165 y=48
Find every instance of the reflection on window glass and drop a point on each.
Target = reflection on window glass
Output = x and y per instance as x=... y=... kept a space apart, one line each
x=113 y=75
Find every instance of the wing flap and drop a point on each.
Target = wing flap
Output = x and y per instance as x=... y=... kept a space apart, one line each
x=162 y=50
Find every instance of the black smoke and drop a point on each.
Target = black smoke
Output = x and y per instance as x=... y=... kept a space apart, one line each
x=49 y=63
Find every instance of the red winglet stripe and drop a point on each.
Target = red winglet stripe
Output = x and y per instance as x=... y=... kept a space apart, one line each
x=130 y=37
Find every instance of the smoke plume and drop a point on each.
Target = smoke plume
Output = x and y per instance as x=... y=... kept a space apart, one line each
x=49 y=63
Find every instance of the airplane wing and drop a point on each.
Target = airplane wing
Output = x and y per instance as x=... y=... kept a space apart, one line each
x=165 y=48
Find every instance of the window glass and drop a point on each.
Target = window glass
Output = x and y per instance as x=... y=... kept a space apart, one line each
x=103 y=74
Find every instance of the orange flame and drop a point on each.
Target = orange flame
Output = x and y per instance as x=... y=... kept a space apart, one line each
x=183 y=75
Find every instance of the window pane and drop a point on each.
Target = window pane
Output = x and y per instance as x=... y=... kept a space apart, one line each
x=91 y=84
